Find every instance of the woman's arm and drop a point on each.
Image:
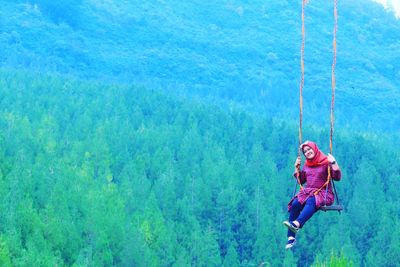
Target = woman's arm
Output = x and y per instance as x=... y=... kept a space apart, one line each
x=336 y=174
x=297 y=172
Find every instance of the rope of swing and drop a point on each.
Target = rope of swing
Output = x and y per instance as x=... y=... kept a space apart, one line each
x=332 y=118
x=303 y=41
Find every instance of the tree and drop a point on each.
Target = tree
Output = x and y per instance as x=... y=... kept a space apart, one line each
x=69 y=11
x=231 y=257
x=5 y=257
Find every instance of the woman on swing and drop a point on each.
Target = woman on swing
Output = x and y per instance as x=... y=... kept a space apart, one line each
x=314 y=195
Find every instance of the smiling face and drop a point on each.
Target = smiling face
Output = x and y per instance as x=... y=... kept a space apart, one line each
x=308 y=152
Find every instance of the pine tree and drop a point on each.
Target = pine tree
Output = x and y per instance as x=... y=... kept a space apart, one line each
x=231 y=258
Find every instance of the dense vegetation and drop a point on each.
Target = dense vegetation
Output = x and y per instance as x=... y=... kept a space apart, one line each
x=101 y=175
x=242 y=51
x=163 y=133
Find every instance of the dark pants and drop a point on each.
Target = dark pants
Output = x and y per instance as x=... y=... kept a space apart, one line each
x=301 y=213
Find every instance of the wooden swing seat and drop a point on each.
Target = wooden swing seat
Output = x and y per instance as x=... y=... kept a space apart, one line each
x=333 y=207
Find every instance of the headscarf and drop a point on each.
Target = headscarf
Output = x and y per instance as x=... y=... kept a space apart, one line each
x=319 y=158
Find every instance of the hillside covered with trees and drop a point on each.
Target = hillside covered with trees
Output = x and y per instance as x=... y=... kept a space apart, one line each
x=108 y=175
x=163 y=133
x=242 y=51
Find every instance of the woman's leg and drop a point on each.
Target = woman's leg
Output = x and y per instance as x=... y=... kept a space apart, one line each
x=308 y=211
x=294 y=213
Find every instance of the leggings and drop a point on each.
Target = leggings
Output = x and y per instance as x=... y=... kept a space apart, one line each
x=301 y=213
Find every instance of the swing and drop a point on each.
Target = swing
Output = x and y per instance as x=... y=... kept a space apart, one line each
x=336 y=206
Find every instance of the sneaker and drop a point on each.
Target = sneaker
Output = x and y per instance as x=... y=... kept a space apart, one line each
x=291 y=226
x=290 y=243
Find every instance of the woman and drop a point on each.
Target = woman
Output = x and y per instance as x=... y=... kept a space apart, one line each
x=314 y=195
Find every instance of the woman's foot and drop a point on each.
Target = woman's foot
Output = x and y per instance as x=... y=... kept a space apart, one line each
x=294 y=226
x=290 y=243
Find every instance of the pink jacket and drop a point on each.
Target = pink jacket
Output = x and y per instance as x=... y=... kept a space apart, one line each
x=315 y=177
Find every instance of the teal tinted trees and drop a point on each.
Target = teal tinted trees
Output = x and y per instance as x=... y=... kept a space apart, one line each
x=68 y=11
x=104 y=175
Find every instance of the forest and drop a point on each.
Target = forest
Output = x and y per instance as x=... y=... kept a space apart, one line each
x=111 y=175
x=164 y=133
x=247 y=52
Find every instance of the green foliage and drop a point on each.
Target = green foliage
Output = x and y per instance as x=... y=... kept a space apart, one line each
x=244 y=52
x=231 y=257
x=5 y=257
x=334 y=261
x=104 y=175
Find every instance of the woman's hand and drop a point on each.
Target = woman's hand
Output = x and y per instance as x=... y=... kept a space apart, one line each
x=333 y=162
x=331 y=159
x=297 y=164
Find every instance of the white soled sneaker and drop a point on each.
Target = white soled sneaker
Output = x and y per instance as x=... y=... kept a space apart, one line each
x=290 y=243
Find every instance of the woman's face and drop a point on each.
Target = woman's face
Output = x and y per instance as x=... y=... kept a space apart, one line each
x=308 y=152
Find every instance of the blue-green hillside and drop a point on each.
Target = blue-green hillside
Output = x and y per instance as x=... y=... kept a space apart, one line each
x=164 y=133
x=106 y=175
x=242 y=51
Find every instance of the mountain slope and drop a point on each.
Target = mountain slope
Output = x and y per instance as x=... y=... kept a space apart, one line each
x=93 y=174
x=234 y=51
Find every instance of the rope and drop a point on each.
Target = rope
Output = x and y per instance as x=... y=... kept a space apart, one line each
x=332 y=118
x=333 y=96
x=325 y=184
x=335 y=14
x=303 y=41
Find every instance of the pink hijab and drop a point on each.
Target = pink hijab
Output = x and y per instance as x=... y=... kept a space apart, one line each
x=319 y=158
